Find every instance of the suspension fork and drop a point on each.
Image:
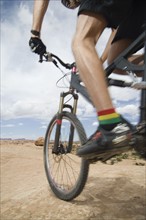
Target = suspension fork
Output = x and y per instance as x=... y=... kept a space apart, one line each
x=72 y=108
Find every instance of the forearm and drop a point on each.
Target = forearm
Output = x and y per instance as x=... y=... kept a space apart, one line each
x=40 y=7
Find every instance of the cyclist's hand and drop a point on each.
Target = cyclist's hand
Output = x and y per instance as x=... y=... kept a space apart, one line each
x=37 y=45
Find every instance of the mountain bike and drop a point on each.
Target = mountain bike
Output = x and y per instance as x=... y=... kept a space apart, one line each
x=66 y=172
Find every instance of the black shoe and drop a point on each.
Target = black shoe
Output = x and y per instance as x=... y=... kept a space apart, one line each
x=105 y=144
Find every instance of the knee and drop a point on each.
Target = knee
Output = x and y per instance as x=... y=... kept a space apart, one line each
x=80 y=44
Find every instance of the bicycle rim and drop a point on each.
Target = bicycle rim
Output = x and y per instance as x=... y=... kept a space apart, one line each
x=66 y=172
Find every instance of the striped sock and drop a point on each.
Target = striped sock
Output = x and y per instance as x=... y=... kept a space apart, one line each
x=108 y=119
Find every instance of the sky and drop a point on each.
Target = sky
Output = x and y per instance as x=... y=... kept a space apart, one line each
x=29 y=95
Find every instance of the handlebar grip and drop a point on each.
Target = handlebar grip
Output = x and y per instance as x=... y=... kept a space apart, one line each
x=41 y=59
x=53 y=58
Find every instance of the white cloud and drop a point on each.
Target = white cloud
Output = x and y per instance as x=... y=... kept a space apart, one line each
x=43 y=127
x=8 y=126
x=28 y=87
x=131 y=109
x=24 y=15
x=124 y=94
x=20 y=124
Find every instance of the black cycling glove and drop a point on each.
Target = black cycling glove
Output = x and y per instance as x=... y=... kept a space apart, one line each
x=37 y=45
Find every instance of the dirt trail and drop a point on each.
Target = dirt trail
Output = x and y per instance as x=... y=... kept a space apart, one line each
x=112 y=192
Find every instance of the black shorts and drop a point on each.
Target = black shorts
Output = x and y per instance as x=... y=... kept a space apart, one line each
x=132 y=26
x=127 y=15
x=114 y=11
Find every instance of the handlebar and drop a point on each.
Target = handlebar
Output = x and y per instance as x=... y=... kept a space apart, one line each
x=49 y=57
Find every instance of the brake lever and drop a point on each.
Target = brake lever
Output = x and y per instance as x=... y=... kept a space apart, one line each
x=41 y=59
x=49 y=58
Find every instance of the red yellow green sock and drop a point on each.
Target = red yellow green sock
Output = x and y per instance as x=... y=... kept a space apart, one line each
x=108 y=119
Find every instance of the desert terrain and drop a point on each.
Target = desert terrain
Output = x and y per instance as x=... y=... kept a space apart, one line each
x=115 y=190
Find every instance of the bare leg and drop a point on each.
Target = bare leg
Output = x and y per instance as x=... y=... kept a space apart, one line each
x=89 y=29
x=119 y=46
x=118 y=135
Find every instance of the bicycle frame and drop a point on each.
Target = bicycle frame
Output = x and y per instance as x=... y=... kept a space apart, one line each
x=121 y=63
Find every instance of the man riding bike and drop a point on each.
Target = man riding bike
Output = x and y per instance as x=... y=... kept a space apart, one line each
x=113 y=135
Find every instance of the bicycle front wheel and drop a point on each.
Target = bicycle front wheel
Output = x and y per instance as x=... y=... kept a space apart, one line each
x=65 y=171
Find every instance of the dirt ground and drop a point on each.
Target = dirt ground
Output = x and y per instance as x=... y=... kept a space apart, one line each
x=112 y=192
